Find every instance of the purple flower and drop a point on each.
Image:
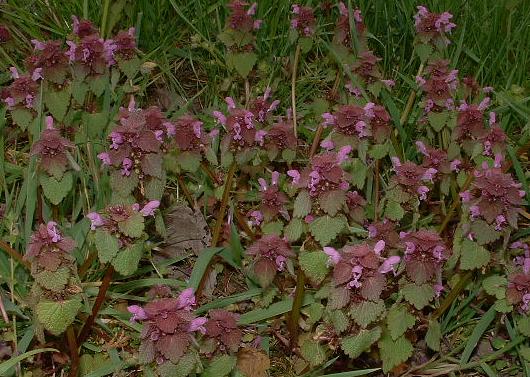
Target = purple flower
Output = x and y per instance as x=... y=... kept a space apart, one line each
x=186 y=299
x=96 y=220
x=389 y=264
x=54 y=234
x=198 y=325
x=422 y=191
x=333 y=254
x=138 y=313
x=327 y=144
x=257 y=217
x=379 y=247
x=105 y=158
x=127 y=164
x=149 y=208
x=295 y=175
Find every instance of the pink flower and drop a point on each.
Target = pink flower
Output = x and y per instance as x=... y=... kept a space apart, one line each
x=379 y=247
x=39 y=46
x=329 y=119
x=170 y=129
x=369 y=110
x=327 y=144
x=429 y=174
x=260 y=137
x=389 y=264
x=220 y=117
x=37 y=74
x=105 y=158
x=14 y=73
x=257 y=217
x=186 y=299
x=49 y=123
x=474 y=211
x=53 y=233
x=149 y=208
x=343 y=153
x=96 y=220
x=198 y=325
x=422 y=191
x=295 y=175
x=455 y=165
x=389 y=83
x=309 y=219
x=230 y=102
x=127 y=164
x=333 y=254
x=138 y=313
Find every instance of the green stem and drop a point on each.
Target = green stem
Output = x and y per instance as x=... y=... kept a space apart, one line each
x=293 y=88
x=294 y=315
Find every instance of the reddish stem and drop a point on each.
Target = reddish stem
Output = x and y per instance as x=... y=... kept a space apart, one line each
x=74 y=353
x=14 y=254
x=102 y=293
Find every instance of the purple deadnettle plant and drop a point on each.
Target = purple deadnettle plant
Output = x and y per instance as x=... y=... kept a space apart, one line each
x=270 y=254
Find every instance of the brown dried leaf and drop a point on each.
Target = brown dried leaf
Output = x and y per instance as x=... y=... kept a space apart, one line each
x=187 y=231
x=253 y=363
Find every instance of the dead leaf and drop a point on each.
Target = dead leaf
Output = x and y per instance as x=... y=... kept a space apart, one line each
x=253 y=363
x=187 y=232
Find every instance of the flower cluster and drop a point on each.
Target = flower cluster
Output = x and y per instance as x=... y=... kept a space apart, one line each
x=303 y=20
x=435 y=158
x=280 y=137
x=48 y=60
x=169 y=327
x=242 y=18
x=439 y=86
x=188 y=134
x=342 y=29
x=433 y=27
x=371 y=121
x=23 y=91
x=49 y=250
x=52 y=150
x=413 y=178
x=494 y=197
x=425 y=253
x=270 y=254
x=222 y=328
x=91 y=54
x=518 y=290
x=136 y=143
x=361 y=269
x=273 y=201
x=325 y=174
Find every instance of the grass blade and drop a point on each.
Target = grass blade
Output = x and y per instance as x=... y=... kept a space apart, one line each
x=478 y=331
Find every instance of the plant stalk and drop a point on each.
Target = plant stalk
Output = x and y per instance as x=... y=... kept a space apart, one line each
x=410 y=102
x=102 y=293
x=14 y=254
x=293 y=88
x=74 y=353
x=294 y=315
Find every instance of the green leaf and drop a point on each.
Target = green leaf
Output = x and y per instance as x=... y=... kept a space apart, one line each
x=56 y=316
x=326 y=228
x=359 y=170
x=523 y=325
x=473 y=256
x=366 y=312
x=281 y=307
x=472 y=341
x=484 y=233
x=98 y=84
x=107 y=245
x=133 y=226
x=79 y=90
x=242 y=62
x=96 y=123
x=129 y=66
x=55 y=191
x=302 y=204
x=438 y=120
x=495 y=285
x=394 y=352
x=525 y=352
x=201 y=263
x=314 y=265
x=355 y=345
x=314 y=313
x=294 y=229
x=53 y=280
x=399 y=320
x=418 y=295
x=313 y=352
x=274 y=227
x=423 y=51
x=126 y=262
x=184 y=367
x=13 y=361
x=189 y=161
x=305 y=44
x=122 y=184
x=220 y=366
x=378 y=151
x=58 y=102
x=289 y=155
x=502 y=306
x=394 y=211
x=340 y=321
x=332 y=201
x=434 y=335
x=22 y=117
